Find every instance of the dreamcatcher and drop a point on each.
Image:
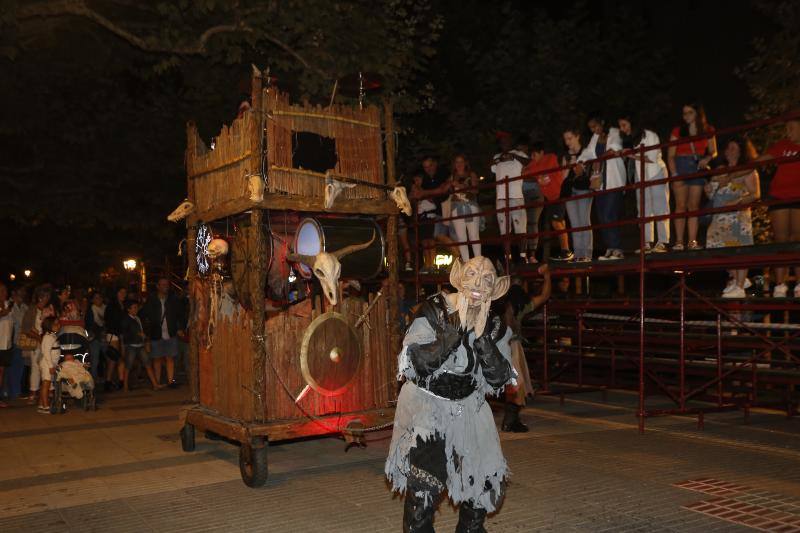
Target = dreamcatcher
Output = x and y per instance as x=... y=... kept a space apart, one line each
x=201 y=243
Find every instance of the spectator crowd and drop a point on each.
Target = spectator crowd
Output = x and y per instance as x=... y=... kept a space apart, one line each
x=118 y=338
x=565 y=193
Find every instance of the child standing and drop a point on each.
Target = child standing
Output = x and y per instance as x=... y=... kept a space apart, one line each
x=51 y=352
x=133 y=340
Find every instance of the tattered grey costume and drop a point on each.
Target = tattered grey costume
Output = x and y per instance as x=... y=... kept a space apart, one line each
x=448 y=373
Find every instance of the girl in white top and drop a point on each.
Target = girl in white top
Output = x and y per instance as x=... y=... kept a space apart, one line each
x=656 y=197
x=51 y=352
x=606 y=175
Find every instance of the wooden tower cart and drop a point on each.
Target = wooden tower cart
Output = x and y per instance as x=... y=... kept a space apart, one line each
x=271 y=357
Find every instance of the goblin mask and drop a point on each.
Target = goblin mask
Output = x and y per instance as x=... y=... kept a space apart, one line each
x=478 y=285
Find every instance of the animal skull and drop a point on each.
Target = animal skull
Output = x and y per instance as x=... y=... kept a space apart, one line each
x=217 y=248
x=182 y=211
x=333 y=188
x=327 y=268
x=399 y=196
x=255 y=188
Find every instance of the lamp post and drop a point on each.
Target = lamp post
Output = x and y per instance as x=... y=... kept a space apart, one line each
x=27 y=272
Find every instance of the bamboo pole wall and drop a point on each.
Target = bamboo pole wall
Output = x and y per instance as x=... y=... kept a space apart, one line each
x=357 y=134
x=221 y=174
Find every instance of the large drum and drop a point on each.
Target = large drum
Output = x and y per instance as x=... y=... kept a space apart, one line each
x=318 y=234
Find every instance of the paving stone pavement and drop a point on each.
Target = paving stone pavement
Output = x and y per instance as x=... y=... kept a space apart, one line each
x=582 y=467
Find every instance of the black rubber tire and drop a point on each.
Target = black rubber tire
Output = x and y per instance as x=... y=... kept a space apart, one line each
x=253 y=465
x=86 y=401
x=57 y=402
x=187 y=438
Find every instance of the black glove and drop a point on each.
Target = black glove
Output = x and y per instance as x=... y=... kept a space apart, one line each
x=496 y=368
x=428 y=358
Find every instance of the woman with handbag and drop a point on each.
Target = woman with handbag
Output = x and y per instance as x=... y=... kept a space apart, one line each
x=688 y=158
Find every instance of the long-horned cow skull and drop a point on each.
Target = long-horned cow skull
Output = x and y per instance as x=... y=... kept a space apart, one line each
x=327 y=268
x=333 y=188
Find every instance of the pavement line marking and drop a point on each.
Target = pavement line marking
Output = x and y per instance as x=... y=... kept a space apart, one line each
x=101 y=424
x=705 y=438
x=707 y=420
x=105 y=471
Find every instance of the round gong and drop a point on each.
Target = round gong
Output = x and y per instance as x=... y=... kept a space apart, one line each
x=330 y=354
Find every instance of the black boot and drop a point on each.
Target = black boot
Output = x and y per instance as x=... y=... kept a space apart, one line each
x=511 y=421
x=418 y=517
x=470 y=519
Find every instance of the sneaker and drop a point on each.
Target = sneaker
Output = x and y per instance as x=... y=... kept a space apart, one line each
x=694 y=245
x=677 y=247
x=564 y=255
x=748 y=284
x=729 y=287
x=613 y=256
x=583 y=259
x=660 y=248
x=43 y=410
x=780 y=291
x=736 y=292
x=647 y=248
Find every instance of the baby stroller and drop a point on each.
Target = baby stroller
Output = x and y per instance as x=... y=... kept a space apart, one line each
x=72 y=380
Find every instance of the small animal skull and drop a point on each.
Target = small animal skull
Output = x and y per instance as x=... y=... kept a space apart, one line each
x=333 y=188
x=327 y=267
x=255 y=188
x=217 y=248
x=400 y=198
x=181 y=212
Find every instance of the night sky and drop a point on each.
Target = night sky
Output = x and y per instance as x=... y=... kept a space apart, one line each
x=93 y=130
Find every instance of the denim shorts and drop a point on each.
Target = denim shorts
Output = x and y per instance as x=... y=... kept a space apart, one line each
x=135 y=352
x=164 y=348
x=687 y=164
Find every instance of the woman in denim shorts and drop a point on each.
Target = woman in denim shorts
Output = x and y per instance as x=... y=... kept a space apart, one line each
x=688 y=158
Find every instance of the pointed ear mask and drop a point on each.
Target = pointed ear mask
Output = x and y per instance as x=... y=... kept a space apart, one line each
x=501 y=286
x=455 y=274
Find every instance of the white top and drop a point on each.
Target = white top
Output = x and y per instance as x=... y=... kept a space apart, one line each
x=164 y=329
x=51 y=351
x=505 y=166
x=6 y=326
x=656 y=167
x=615 y=168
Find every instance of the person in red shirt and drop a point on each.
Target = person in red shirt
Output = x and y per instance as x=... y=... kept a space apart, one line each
x=688 y=158
x=550 y=188
x=785 y=185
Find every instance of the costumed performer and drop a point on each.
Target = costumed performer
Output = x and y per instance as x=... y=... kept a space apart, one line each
x=444 y=438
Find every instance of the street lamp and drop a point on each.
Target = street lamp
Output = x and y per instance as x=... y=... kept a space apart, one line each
x=12 y=277
x=129 y=265
x=27 y=272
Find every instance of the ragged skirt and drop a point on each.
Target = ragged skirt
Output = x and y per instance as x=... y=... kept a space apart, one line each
x=475 y=466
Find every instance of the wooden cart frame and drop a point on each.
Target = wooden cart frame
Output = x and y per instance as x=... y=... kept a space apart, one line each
x=239 y=383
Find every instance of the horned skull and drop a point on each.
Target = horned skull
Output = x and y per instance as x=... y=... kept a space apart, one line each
x=333 y=188
x=400 y=198
x=181 y=212
x=255 y=188
x=327 y=268
x=478 y=285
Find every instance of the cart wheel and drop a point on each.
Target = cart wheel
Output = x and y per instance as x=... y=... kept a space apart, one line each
x=86 y=402
x=57 y=405
x=187 y=438
x=253 y=465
